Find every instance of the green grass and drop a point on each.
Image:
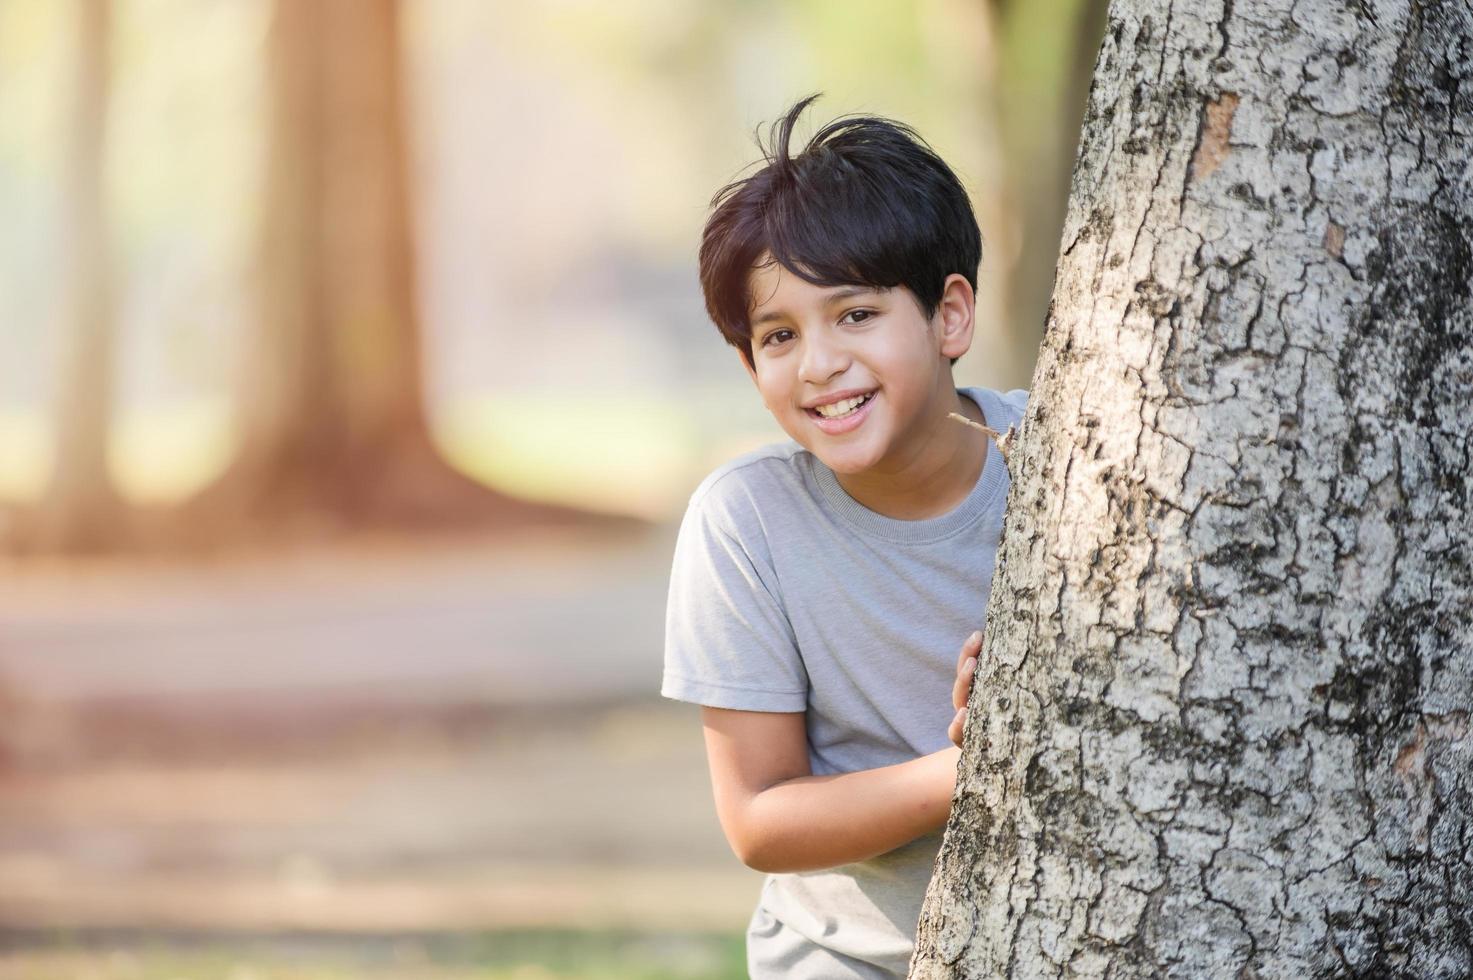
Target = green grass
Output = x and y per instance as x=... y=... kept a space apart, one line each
x=511 y=955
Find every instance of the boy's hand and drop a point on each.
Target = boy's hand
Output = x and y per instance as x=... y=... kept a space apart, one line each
x=966 y=670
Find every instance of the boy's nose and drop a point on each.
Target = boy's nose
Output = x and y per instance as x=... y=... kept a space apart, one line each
x=822 y=359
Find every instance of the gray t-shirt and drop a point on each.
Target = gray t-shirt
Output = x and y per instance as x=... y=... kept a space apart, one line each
x=786 y=594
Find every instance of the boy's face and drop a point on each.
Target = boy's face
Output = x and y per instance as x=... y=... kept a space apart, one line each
x=826 y=346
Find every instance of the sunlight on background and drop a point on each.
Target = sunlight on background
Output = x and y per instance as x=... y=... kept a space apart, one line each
x=182 y=153
x=618 y=451
x=565 y=153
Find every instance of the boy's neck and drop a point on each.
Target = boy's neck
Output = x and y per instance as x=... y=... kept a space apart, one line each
x=940 y=474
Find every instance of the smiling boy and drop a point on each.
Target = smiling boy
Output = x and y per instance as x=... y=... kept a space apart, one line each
x=821 y=587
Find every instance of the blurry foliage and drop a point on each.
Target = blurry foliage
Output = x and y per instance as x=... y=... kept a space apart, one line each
x=564 y=152
x=1045 y=61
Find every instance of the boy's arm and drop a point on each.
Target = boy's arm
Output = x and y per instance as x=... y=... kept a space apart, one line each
x=778 y=817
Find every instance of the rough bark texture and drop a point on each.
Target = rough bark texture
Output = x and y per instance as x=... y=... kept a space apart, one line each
x=1221 y=726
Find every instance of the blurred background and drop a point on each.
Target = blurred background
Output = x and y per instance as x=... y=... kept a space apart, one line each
x=354 y=375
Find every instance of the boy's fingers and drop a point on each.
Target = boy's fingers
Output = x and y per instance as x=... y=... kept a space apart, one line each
x=966 y=667
x=970 y=648
x=958 y=725
x=962 y=688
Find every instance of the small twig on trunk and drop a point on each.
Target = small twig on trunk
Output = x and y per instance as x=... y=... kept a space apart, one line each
x=1004 y=440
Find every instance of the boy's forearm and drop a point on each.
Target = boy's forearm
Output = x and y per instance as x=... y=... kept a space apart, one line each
x=814 y=822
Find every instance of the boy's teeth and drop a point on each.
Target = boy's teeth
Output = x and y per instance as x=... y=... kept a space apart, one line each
x=840 y=408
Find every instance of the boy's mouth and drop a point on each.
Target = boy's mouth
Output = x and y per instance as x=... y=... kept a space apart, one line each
x=841 y=409
x=849 y=414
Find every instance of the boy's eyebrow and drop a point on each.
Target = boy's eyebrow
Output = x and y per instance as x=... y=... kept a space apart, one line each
x=843 y=292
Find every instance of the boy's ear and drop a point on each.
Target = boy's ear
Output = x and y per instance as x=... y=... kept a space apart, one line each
x=955 y=316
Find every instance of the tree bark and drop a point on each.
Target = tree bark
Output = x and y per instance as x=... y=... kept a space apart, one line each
x=1220 y=727
x=81 y=510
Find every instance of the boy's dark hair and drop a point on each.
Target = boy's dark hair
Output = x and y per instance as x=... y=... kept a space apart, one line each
x=867 y=202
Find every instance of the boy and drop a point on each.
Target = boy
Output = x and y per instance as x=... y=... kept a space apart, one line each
x=820 y=586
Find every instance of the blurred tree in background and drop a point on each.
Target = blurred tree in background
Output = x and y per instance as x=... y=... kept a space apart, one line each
x=331 y=410
x=81 y=510
x=330 y=405
x=1044 y=56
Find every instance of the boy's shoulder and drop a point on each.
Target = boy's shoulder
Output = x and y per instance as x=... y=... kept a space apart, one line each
x=730 y=492
x=1012 y=404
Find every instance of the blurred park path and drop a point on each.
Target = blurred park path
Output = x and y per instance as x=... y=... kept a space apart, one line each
x=375 y=738
x=550 y=617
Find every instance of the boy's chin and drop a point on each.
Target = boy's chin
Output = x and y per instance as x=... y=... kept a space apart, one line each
x=846 y=464
x=849 y=460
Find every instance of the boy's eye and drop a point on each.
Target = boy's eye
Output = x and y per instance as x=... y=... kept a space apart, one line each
x=776 y=337
x=859 y=316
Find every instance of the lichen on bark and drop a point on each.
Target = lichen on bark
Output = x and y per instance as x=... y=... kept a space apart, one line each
x=1220 y=726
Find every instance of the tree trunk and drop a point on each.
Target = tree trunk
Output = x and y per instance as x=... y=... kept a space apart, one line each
x=81 y=510
x=1220 y=727
x=331 y=412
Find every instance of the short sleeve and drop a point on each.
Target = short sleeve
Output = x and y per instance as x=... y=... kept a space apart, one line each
x=728 y=642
